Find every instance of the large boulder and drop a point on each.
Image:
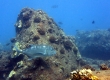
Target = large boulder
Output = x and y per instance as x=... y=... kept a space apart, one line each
x=34 y=27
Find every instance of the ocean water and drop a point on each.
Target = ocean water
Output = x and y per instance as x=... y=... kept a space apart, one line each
x=70 y=15
x=87 y=20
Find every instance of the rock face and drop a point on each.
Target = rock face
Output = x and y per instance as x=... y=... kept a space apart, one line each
x=35 y=27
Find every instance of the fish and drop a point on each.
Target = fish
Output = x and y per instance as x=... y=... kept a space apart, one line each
x=54 y=6
x=60 y=23
x=35 y=51
x=93 y=22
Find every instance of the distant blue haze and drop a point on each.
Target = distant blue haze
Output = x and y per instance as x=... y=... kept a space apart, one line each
x=74 y=14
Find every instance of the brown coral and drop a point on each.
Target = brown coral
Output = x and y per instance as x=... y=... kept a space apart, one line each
x=51 y=30
x=37 y=19
x=35 y=38
x=62 y=51
x=52 y=39
x=68 y=45
x=41 y=31
x=104 y=67
x=26 y=14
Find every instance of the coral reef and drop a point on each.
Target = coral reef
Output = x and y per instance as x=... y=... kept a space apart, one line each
x=94 y=44
x=35 y=28
x=42 y=51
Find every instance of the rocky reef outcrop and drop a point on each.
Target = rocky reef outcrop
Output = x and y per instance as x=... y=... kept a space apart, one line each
x=94 y=44
x=35 y=27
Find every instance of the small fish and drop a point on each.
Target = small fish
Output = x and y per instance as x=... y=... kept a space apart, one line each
x=38 y=51
x=60 y=23
x=93 y=22
x=54 y=6
x=7 y=44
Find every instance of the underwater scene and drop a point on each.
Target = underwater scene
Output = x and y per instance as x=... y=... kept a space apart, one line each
x=55 y=40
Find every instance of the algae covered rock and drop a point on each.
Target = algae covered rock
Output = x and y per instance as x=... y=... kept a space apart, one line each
x=35 y=27
x=94 y=44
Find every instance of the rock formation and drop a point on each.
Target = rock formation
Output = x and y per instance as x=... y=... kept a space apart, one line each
x=35 y=27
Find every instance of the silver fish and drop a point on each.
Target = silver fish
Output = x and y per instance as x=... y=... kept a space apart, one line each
x=38 y=51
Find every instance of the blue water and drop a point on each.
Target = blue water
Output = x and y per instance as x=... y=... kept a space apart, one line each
x=73 y=14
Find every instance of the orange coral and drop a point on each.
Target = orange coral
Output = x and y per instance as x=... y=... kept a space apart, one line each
x=84 y=74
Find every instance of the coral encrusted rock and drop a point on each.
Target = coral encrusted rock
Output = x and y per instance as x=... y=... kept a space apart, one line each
x=94 y=44
x=34 y=27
